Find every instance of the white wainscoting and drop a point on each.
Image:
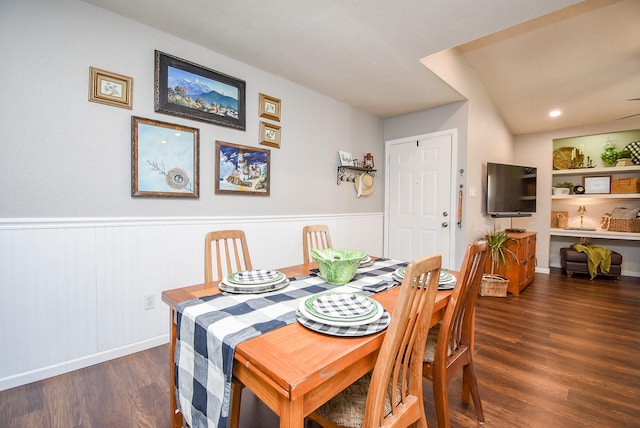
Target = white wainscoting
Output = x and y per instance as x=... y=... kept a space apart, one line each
x=73 y=290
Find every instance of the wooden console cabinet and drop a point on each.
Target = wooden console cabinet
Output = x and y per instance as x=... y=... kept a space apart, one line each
x=521 y=269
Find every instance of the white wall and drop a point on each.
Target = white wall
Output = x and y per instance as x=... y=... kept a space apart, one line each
x=77 y=252
x=73 y=290
x=63 y=156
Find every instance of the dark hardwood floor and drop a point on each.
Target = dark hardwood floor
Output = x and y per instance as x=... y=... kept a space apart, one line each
x=565 y=353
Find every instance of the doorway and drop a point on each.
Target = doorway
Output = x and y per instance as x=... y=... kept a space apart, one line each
x=419 y=199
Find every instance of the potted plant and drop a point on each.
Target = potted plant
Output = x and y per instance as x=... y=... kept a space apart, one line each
x=562 y=188
x=492 y=284
x=624 y=158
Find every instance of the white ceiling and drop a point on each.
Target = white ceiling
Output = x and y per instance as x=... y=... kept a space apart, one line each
x=584 y=59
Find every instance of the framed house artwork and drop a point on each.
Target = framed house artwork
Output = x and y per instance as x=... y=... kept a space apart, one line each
x=110 y=88
x=189 y=90
x=164 y=159
x=242 y=170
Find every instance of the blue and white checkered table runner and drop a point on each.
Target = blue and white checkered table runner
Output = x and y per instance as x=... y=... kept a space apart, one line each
x=209 y=329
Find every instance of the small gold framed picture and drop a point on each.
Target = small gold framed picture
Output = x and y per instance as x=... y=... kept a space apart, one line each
x=110 y=88
x=270 y=135
x=269 y=107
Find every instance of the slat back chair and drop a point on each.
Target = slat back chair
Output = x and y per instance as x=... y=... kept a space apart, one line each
x=450 y=343
x=315 y=236
x=229 y=247
x=391 y=395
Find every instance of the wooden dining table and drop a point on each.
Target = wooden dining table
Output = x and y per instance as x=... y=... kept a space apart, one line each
x=292 y=369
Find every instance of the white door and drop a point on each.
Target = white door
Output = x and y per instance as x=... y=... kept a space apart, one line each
x=419 y=205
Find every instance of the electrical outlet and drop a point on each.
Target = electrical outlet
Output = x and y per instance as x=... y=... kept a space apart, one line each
x=149 y=301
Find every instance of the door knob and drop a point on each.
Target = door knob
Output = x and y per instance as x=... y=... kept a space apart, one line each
x=445 y=224
x=445 y=214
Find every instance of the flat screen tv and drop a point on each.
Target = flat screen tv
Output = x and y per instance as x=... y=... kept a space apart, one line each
x=511 y=190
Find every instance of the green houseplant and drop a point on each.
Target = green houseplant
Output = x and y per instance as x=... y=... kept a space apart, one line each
x=566 y=186
x=492 y=284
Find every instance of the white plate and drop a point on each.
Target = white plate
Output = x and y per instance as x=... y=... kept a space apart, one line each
x=255 y=277
x=366 y=262
x=341 y=323
x=346 y=331
x=342 y=306
x=228 y=283
x=256 y=289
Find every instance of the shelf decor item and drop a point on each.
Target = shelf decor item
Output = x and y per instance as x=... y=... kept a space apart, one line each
x=625 y=185
x=559 y=219
x=624 y=158
x=609 y=156
x=597 y=184
x=562 y=188
x=621 y=220
x=634 y=149
x=567 y=158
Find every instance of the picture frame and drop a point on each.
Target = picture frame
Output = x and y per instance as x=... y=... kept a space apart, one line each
x=165 y=159
x=242 y=170
x=189 y=90
x=345 y=158
x=269 y=107
x=597 y=184
x=270 y=134
x=110 y=88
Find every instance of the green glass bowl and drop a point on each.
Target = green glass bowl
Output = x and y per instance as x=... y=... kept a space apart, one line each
x=337 y=265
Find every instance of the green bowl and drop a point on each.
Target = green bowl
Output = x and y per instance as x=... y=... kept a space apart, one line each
x=337 y=266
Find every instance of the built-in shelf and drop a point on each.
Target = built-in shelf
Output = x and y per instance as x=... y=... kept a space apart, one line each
x=592 y=171
x=598 y=233
x=599 y=196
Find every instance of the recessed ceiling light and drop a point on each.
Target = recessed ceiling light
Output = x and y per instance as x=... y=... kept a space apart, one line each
x=555 y=113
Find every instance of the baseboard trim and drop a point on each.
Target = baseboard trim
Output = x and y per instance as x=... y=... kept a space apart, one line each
x=80 y=363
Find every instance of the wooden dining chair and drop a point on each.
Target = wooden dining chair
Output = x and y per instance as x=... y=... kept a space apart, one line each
x=315 y=236
x=232 y=255
x=391 y=395
x=450 y=342
x=230 y=250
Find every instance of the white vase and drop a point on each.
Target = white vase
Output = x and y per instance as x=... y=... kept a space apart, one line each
x=560 y=191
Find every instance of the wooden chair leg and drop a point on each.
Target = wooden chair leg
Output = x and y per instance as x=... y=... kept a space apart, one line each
x=470 y=386
x=441 y=400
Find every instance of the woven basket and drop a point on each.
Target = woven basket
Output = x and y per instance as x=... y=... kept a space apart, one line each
x=624 y=225
x=494 y=286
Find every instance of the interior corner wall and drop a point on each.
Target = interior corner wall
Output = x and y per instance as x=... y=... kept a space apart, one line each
x=451 y=116
x=63 y=156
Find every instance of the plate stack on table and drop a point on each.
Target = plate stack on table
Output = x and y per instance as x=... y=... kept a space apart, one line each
x=447 y=280
x=254 y=281
x=366 y=262
x=342 y=314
